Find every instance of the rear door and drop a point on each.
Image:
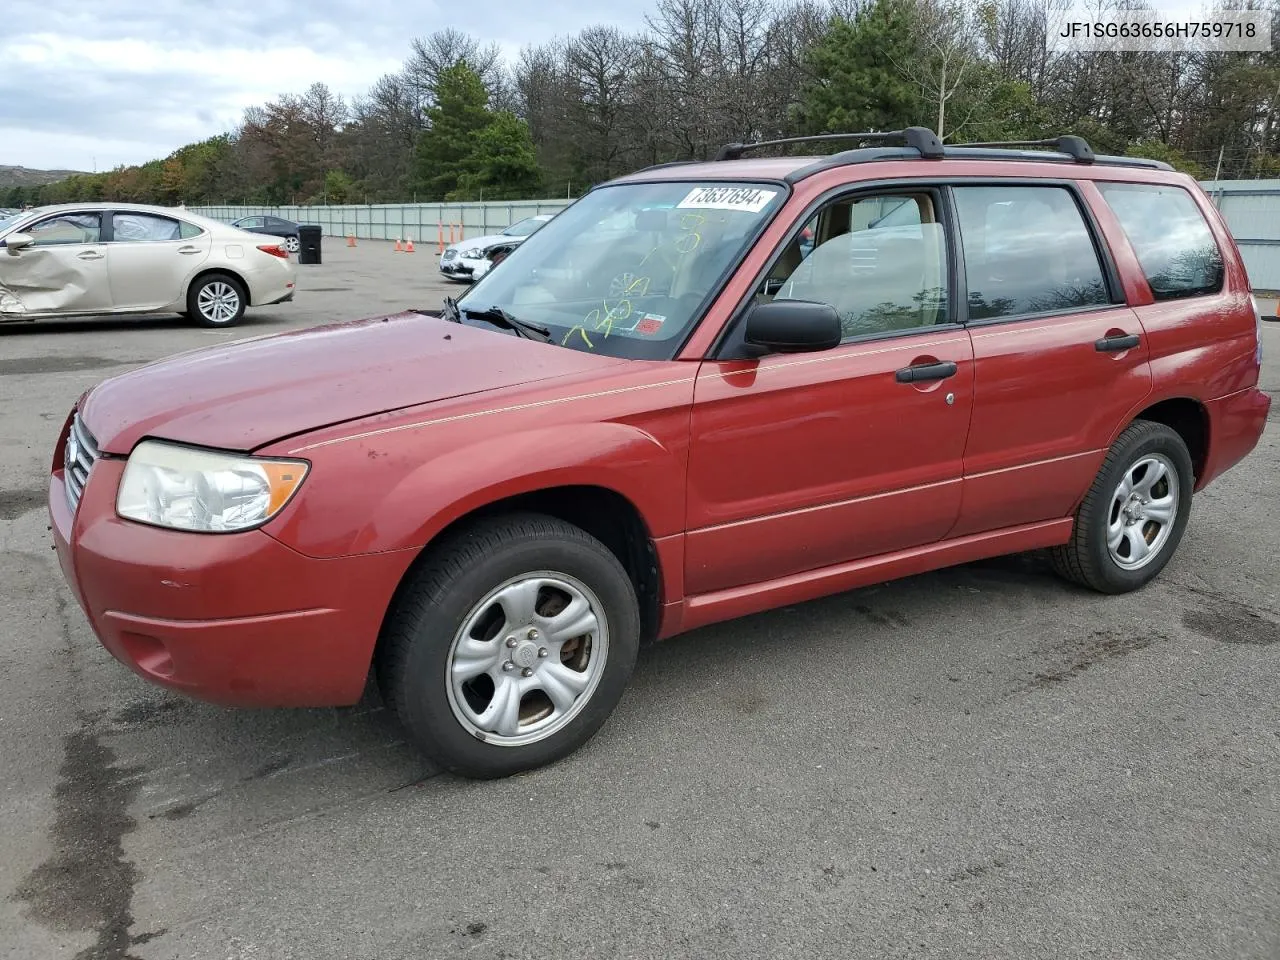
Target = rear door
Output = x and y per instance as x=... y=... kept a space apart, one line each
x=150 y=258
x=1059 y=358
x=63 y=271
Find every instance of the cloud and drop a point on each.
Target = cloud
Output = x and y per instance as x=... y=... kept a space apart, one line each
x=125 y=81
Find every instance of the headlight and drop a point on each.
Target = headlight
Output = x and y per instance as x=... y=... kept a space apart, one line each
x=191 y=489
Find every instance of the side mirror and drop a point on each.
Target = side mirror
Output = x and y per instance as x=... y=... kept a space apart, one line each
x=16 y=241
x=793 y=326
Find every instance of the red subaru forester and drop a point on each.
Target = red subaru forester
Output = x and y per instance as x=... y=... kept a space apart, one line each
x=702 y=390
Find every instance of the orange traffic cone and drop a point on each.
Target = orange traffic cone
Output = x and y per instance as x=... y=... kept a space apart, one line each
x=399 y=249
x=409 y=246
x=351 y=239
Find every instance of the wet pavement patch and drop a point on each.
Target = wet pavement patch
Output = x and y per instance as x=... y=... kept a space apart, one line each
x=1099 y=646
x=1229 y=621
x=58 y=364
x=87 y=884
x=14 y=503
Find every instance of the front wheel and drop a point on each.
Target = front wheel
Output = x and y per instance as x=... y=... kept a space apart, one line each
x=511 y=646
x=1132 y=519
x=217 y=300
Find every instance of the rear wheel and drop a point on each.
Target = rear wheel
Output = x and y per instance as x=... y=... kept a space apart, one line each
x=292 y=244
x=217 y=300
x=1132 y=520
x=511 y=646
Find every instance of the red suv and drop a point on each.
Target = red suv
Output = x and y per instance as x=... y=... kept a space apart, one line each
x=701 y=391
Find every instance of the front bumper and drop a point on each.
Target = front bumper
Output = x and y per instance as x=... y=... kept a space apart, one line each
x=455 y=270
x=235 y=619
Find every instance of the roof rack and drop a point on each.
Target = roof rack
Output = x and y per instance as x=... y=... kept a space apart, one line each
x=922 y=139
x=1074 y=147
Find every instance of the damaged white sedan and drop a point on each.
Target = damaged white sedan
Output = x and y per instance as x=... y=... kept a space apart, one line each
x=88 y=259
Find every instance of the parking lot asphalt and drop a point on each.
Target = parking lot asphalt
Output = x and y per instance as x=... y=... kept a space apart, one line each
x=982 y=762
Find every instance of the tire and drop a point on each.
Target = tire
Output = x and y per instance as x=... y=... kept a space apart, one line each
x=292 y=244
x=468 y=595
x=223 y=304
x=1108 y=515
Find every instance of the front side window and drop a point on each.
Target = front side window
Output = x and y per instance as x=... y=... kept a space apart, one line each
x=1170 y=237
x=143 y=228
x=1027 y=250
x=67 y=228
x=880 y=261
x=626 y=270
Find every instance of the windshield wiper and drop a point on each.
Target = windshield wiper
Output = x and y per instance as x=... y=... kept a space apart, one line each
x=450 y=311
x=500 y=317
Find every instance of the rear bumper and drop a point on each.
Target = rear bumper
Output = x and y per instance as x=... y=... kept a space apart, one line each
x=275 y=283
x=237 y=619
x=1236 y=424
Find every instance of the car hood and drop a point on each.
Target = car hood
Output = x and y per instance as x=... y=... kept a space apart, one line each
x=242 y=395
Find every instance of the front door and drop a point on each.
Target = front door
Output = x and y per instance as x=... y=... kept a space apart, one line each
x=801 y=461
x=64 y=271
x=150 y=258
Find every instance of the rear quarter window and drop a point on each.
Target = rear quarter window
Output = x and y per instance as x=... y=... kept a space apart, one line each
x=1170 y=237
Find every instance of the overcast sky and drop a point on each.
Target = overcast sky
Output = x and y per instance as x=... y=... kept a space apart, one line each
x=110 y=82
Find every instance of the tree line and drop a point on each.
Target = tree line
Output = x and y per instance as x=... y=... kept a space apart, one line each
x=459 y=123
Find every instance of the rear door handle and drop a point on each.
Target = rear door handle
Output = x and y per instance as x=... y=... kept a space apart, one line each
x=188 y=250
x=1113 y=344
x=926 y=371
x=90 y=255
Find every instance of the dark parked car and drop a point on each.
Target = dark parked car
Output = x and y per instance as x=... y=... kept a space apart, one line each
x=274 y=227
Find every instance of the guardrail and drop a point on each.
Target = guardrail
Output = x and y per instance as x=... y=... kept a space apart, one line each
x=419 y=222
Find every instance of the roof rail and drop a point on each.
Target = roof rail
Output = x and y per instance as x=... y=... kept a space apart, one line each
x=1074 y=147
x=922 y=139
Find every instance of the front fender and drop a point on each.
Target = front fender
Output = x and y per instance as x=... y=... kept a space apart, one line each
x=438 y=489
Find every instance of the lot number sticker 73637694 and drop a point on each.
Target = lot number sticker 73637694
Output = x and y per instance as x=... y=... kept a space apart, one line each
x=744 y=199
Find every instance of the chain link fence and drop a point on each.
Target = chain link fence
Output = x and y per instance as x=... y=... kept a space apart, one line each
x=423 y=223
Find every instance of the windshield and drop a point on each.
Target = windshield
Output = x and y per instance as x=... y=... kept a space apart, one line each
x=523 y=228
x=627 y=270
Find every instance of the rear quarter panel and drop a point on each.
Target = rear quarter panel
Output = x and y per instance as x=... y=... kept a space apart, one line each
x=1202 y=348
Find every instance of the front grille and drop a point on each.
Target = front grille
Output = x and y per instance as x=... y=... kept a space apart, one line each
x=450 y=254
x=77 y=460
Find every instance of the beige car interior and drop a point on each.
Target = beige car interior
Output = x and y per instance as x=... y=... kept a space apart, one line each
x=878 y=277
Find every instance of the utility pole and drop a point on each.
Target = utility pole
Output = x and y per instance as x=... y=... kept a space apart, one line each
x=1218 y=169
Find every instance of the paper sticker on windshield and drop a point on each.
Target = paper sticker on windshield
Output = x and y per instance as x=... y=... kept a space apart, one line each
x=650 y=324
x=743 y=199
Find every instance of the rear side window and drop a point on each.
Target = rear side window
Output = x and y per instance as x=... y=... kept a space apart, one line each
x=188 y=231
x=1027 y=250
x=1170 y=237
x=142 y=228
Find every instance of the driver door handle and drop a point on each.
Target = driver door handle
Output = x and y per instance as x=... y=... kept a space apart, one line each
x=926 y=371
x=1113 y=344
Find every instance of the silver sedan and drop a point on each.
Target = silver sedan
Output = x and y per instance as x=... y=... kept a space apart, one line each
x=116 y=258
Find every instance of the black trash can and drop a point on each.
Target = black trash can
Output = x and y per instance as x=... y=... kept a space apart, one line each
x=309 y=243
